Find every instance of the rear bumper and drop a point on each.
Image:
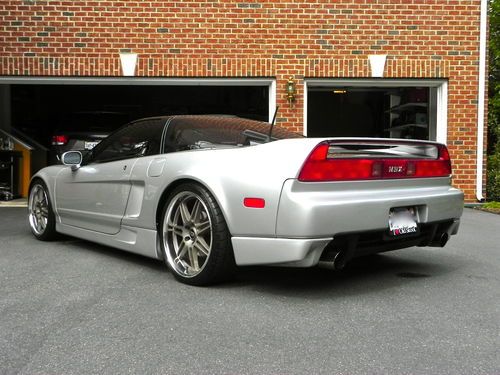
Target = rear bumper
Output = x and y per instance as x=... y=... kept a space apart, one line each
x=307 y=252
x=278 y=251
x=317 y=218
x=325 y=209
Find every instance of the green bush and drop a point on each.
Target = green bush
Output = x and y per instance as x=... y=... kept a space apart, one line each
x=493 y=187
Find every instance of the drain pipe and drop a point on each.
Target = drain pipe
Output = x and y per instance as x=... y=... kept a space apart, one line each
x=480 y=104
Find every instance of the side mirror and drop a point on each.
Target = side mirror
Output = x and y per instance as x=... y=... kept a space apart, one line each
x=73 y=159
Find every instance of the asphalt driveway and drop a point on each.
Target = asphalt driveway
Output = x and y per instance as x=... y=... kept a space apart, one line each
x=73 y=307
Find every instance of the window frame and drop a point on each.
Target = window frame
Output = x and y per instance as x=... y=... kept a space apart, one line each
x=91 y=158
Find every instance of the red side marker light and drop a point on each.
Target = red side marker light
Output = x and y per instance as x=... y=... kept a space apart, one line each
x=254 y=202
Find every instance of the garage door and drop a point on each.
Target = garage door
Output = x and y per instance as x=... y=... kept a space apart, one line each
x=41 y=111
x=396 y=109
x=50 y=112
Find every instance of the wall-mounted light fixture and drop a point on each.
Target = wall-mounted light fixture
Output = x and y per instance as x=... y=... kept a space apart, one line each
x=290 y=90
x=129 y=62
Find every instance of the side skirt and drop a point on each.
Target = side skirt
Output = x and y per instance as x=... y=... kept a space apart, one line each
x=135 y=240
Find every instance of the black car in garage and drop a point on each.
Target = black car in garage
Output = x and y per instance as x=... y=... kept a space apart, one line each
x=83 y=131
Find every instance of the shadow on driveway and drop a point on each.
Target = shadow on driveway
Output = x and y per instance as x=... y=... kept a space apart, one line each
x=361 y=275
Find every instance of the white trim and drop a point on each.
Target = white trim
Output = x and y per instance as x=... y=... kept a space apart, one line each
x=272 y=99
x=442 y=113
x=377 y=65
x=480 y=100
x=440 y=84
x=128 y=62
x=304 y=130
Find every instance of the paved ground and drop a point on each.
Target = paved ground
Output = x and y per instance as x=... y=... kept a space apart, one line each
x=72 y=307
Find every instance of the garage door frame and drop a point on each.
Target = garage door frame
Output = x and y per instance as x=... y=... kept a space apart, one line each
x=440 y=84
x=138 y=81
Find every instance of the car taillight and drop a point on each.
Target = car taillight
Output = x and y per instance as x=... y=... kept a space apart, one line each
x=59 y=140
x=319 y=167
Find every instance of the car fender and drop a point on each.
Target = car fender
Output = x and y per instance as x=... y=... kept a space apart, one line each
x=234 y=174
x=48 y=175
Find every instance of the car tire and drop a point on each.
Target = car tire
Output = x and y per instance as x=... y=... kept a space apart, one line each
x=41 y=216
x=194 y=237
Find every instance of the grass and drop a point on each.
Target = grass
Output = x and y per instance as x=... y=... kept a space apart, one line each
x=491 y=207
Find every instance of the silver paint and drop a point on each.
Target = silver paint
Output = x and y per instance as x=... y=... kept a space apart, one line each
x=116 y=207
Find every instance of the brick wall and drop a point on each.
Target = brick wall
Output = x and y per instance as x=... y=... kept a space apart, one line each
x=258 y=38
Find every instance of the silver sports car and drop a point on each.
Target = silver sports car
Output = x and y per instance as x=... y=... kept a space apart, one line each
x=208 y=193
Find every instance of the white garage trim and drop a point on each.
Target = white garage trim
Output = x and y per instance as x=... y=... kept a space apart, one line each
x=442 y=113
x=441 y=85
x=304 y=129
x=480 y=100
x=130 y=81
x=272 y=100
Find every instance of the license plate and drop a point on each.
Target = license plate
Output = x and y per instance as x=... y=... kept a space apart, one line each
x=90 y=145
x=402 y=221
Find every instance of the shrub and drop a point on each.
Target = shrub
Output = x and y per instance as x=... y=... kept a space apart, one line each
x=493 y=186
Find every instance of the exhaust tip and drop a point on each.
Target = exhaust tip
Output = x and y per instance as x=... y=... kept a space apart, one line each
x=337 y=263
x=443 y=239
x=439 y=240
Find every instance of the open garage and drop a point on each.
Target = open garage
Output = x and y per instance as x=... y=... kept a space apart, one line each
x=43 y=114
x=410 y=109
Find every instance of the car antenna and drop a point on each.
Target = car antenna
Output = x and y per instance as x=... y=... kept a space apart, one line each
x=272 y=124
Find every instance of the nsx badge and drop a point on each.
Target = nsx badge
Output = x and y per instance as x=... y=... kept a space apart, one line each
x=395 y=169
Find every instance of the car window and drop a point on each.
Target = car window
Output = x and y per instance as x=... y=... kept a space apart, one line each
x=199 y=132
x=137 y=139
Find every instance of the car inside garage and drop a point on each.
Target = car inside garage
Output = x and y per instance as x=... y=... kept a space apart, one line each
x=41 y=120
x=42 y=111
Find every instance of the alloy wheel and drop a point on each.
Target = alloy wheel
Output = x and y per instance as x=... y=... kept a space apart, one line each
x=187 y=234
x=38 y=206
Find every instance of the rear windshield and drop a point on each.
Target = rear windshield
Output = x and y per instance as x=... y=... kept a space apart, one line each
x=197 y=132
